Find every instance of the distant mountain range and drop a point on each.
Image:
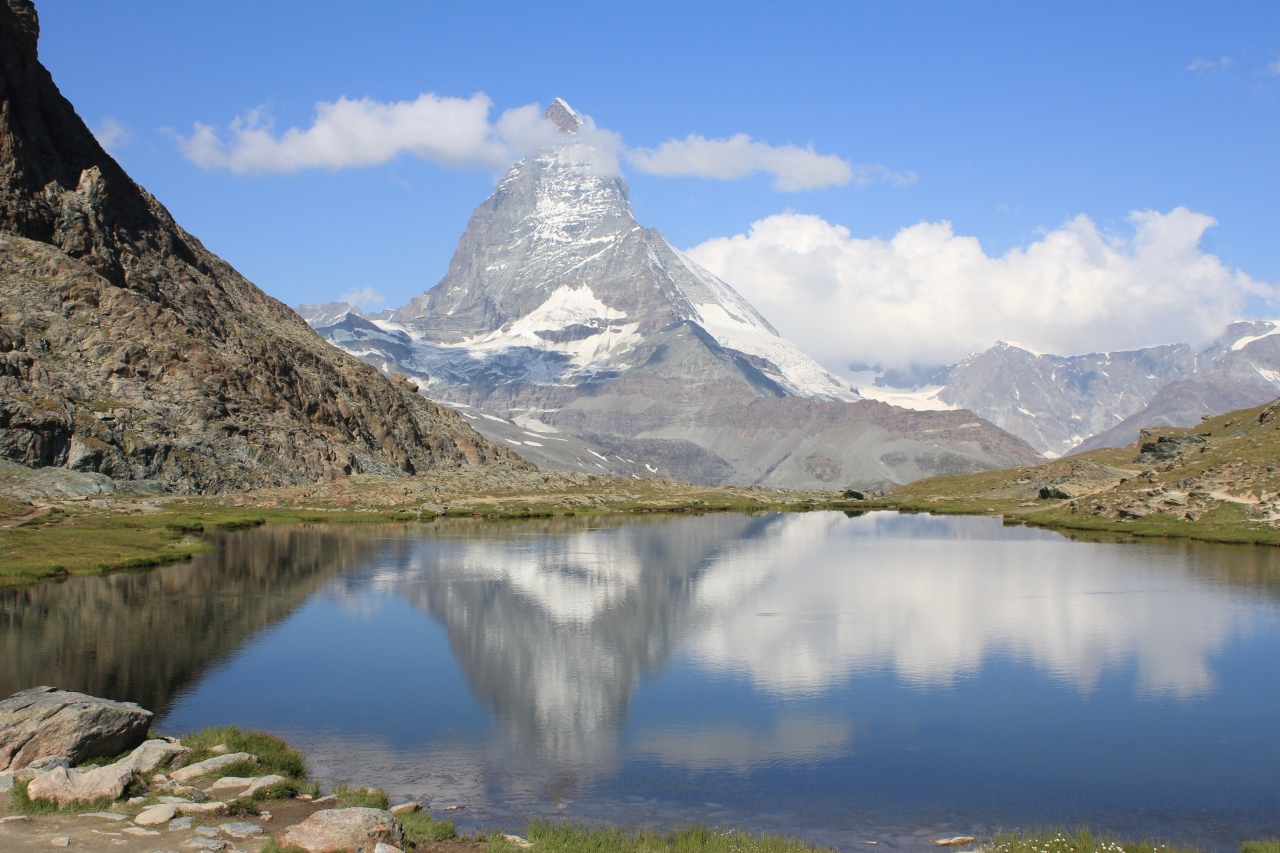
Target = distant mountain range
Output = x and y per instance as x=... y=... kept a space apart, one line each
x=1070 y=404
x=563 y=323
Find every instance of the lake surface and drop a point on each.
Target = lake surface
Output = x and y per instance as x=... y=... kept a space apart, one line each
x=879 y=677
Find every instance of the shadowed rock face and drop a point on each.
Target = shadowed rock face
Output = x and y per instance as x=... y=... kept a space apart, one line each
x=128 y=349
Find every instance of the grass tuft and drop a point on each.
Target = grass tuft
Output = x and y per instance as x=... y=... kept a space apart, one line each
x=1076 y=841
x=1263 y=845
x=569 y=838
x=272 y=847
x=274 y=755
x=421 y=828
x=366 y=798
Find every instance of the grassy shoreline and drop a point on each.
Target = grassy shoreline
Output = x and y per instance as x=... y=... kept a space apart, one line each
x=44 y=540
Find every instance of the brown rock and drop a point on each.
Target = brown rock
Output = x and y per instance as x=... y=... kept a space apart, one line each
x=44 y=721
x=406 y=808
x=358 y=830
x=75 y=786
x=133 y=352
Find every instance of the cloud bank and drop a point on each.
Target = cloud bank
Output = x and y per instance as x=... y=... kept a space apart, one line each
x=112 y=135
x=931 y=296
x=794 y=168
x=457 y=133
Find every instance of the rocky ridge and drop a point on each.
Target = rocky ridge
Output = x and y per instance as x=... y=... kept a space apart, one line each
x=563 y=315
x=128 y=350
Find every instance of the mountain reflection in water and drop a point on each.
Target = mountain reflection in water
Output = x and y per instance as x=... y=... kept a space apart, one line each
x=570 y=664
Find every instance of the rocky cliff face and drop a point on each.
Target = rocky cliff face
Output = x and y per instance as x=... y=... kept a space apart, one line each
x=128 y=349
x=562 y=313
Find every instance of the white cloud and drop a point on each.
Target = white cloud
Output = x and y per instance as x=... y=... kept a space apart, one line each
x=1206 y=65
x=1274 y=67
x=112 y=135
x=457 y=133
x=366 y=297
x=794 y=168
x=930 y=296
x=351 y=133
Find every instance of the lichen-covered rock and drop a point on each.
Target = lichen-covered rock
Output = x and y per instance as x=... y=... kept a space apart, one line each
x=76 y=786
x=44 y=721
x=357 y=830
x=153 y=753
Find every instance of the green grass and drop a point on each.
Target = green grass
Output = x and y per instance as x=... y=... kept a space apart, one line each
x=274 y=755
x=1265 y=845
x=1075 y=841
x=568 y=838
x=366 y=798
x=272 y=847
x=421 y=828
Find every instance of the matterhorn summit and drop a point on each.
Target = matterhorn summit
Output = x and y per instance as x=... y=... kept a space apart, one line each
x=561 y=313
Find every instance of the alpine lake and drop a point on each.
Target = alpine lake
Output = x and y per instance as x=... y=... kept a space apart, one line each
x=846 y=678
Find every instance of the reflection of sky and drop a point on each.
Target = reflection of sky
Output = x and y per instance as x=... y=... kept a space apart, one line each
x=832 y=659
x=822 y=601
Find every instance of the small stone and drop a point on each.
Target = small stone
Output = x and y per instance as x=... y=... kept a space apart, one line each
x=957 y=840
x=319 y=801
x=180 y=823
x=159 y=779
x=136 y=801
x=154 y=815
x=104 y=815
x=241 y=829
x=20 y=818
x=173 y=801
x=231 y=783
x=60 y=841
x=137 y=830
x=518 y=841
x=199 y=843
x=406 y=808
x=220 y=749
x=6 y=781
x=215 y=807
x=380 y=847
x=207 y=831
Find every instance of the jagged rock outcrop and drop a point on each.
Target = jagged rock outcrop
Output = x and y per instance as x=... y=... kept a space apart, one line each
x=44 y=721
x=128 y=349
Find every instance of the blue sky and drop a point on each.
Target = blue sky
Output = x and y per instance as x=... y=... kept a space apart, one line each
x=1013 y=119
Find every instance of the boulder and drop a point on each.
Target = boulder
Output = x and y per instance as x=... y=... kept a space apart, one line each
x=45 y=721
x=262 y=783
x=241 y=829
x=65 y=786
x=406 y=808
x=212 y=807
x=153 y=753
x=155 y=815
x=211 y=765
x=357 y=830
x=386 y=848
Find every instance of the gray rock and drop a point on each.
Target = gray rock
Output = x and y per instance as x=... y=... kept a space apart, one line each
x=358 y=830
x=212 y=807
x=6 y=781
x=60 y=841
x=210 y=766
x=137 y=830
x=76 y=786
x=262 y=783
x=198 y=843
x=154 y=815
x=181 y=823
x=104 y=815
x=49 y=762
x=50 y=723
x=380 y=847
x=406 y=808
x=241 y=829
x=207 y=831
x=153 y=753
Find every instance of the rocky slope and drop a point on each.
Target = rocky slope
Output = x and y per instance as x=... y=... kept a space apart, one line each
x=563 y=314
x=128 y=349
x=1071 y=404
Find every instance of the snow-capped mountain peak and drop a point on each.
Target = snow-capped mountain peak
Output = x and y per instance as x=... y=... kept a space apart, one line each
x=565 y=117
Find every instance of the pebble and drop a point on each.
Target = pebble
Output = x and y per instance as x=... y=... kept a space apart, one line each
x=181 y=823
x=319 y=801
x=60 y=841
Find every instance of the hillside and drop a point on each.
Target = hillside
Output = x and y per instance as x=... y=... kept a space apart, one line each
x=128 y=350
x=1218 y=481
